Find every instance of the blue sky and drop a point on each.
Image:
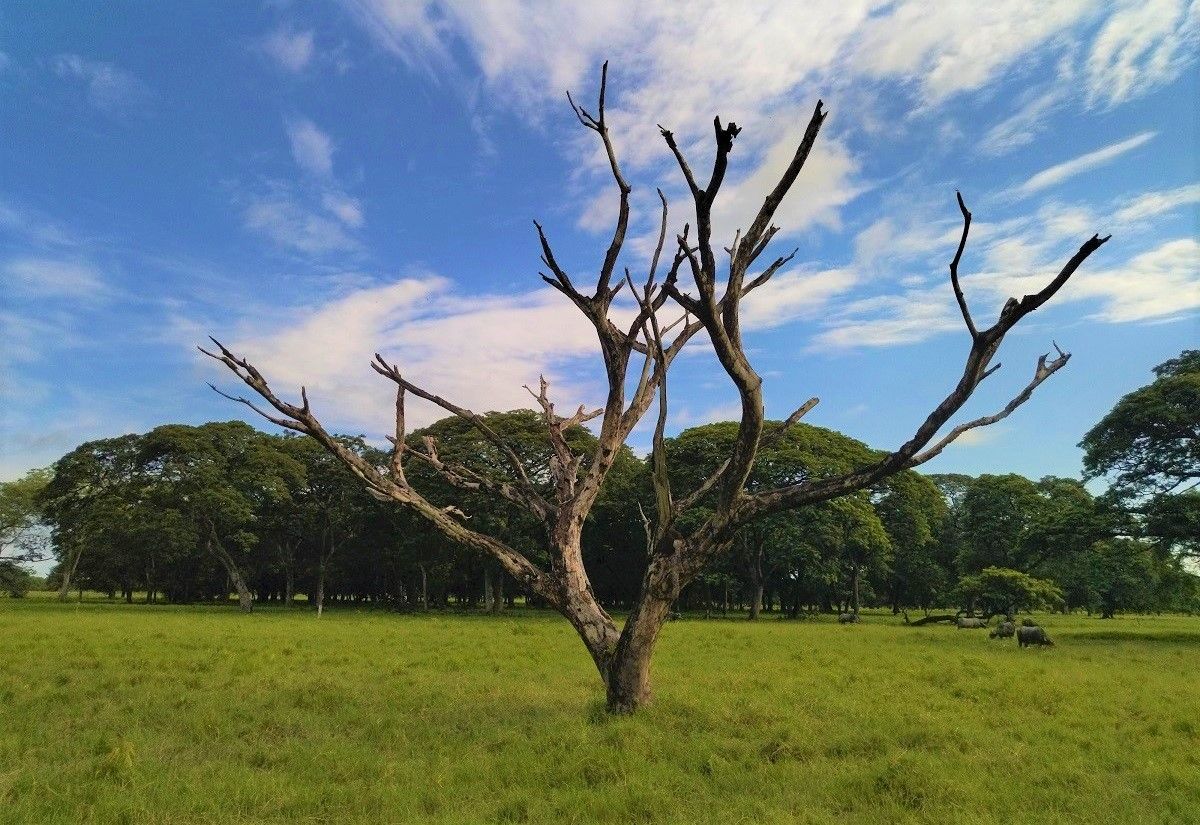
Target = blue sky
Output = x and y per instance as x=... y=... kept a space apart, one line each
x=312 y=182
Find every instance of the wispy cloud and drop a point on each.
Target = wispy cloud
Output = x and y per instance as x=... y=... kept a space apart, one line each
x=109 y=87
x=291 y=50
x=312 y=149
x=1143 y=44
x=1022 y=127
x=291 y=225
x=1060 y=172
x=54 y=278
x=1153 y=204
x=1162 y=283
x=346 y=209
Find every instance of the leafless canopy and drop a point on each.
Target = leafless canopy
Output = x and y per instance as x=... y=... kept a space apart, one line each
x=707 y=304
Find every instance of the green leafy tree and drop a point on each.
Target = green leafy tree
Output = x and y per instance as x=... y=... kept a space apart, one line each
x=23 y=535
x=914 y=514
x=1123 y=576
x=93 y=481
x=1148 y=448
x=222 y=478
x=997 y=590
x=994 y=522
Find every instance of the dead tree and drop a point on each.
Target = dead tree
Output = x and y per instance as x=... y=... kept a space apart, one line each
x=649 y=345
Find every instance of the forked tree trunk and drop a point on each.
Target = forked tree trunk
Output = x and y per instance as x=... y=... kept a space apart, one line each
x=627 y=681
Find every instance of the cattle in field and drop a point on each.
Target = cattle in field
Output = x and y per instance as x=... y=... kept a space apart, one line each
x=1033 y=636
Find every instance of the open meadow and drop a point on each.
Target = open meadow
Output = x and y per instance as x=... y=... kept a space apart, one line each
x=111 y=713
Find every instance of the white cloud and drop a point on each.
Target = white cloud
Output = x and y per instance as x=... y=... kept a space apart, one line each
x=758 y=64
x=950 y=47
x=1022 y=127
x=1162 y=283
x=888 y=320
x=109 y=87
x=311 y=148
x=1060 y=172
x=52 y=278
x=686 y=417
x=791 y=295
x=292 y=50
x=346 y=209
x=476 y=351
x=1153 y=204
x=1143 y=44
x=291 y=225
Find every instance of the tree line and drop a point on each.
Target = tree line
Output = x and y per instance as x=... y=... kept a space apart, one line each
x=194 y=513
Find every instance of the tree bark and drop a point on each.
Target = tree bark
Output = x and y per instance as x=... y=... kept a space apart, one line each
x=627 y=680
x=65 y=590
x=489 y=595
x=320 y=590
x=245 y=597
x=498 y=593
x=756 y=582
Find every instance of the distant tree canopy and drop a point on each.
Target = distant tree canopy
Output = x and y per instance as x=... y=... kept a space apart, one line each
x=183 y=513
x=1148 y=449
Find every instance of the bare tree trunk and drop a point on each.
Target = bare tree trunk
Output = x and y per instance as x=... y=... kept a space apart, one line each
x=320 y=589
x=489 y=595
x=424 y=586
x=498 y=593
x=756 y=582
x=69 y=573
x=627 y=681
x=245 y=597
x=289 y=587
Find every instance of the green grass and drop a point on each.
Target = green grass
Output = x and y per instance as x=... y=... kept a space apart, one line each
x=111 y=713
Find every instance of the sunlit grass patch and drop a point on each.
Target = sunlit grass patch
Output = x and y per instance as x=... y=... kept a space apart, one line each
x=112 y=713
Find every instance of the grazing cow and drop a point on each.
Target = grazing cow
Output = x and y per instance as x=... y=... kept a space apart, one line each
x=1005 y=630
x=848 y=618
x=969 y=623
x=1033 y=636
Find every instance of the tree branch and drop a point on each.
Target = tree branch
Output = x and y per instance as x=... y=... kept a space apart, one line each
x=1044 y=370
x=962 y=244
x=302 y=420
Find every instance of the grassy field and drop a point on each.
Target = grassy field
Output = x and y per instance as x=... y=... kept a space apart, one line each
x=111 y=713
